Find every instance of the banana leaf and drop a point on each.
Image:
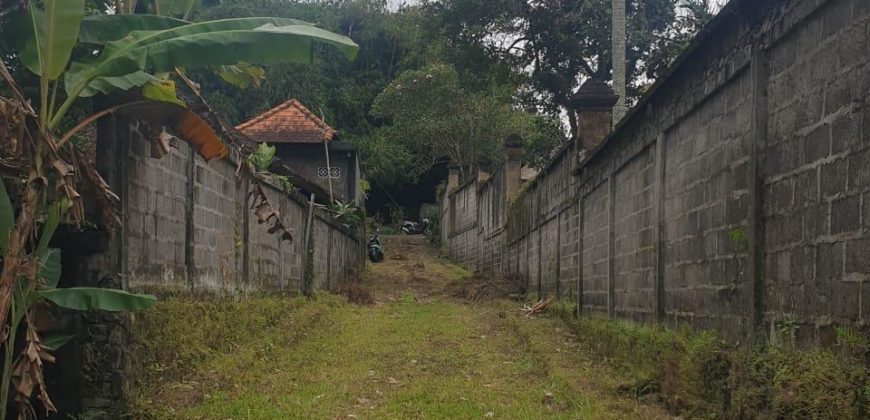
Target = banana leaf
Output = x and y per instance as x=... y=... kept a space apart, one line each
x=106 y=85
x=50 y=267
x=224 y=42
x=47 y=36
x=55 y=341
x=100 y=29
x=91 y=299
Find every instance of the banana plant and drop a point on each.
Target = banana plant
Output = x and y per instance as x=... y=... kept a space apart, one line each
x=24 y=370
x=124 y=51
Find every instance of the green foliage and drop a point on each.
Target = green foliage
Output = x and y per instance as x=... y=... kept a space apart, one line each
x=699 y=376
x=262 y=157
x=222 y=42
x=242 y=75
x=364 y=186
x=348 y=214
x=29 y=292
x=432 y=115
x=391 y=44
x=93 y=299
x=162 y=90
x=100 y=29
x=284 y=183
x=56 y=341
x=50 y=268
x=47 y=35
x=738 y=239
x=557 y=45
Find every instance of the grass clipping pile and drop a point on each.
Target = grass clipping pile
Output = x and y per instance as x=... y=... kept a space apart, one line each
x=539 y=307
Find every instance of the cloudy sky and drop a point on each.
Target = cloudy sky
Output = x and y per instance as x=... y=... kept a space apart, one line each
x=394 y=4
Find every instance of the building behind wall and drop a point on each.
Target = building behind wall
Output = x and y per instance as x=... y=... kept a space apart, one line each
x=301 y=140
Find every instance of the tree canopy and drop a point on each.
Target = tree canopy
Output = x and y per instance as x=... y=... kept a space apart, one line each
x=557 y=44
x=432 y=115
x=507 y=60
x=502 y=60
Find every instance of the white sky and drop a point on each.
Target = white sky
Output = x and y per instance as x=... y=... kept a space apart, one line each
x=394 y=4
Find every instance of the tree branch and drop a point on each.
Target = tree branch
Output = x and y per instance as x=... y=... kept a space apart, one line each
x=85 y=122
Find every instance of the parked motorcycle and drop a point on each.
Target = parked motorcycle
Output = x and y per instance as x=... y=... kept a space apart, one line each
x=376 y=249
x=414 y=228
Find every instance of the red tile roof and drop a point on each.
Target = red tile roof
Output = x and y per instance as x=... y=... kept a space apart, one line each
x=289 y=122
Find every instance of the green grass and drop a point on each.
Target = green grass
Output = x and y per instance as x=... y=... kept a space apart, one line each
x=698 y=376
x=291 y=358
x=284 y=357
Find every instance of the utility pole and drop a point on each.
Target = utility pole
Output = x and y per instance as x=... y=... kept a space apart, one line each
x=618 y=55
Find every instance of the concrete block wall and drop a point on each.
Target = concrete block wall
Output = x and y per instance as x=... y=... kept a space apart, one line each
x=215 y=209
x=154 y=217
x=736 y=195
x=188 y=228
x=595 y=245
x=817 y=257
x=634 y=237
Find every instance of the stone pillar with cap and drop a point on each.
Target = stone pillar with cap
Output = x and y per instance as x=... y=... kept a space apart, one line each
x=513 y=165
x=452 y=178
x=594 y=106
x=449 y=211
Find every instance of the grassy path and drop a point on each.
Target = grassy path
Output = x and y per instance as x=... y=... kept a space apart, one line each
x=415 y=353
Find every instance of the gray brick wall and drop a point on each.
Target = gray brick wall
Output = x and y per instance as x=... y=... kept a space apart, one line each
x=569 y=231
x=596 y=234
x=816 y=254
x=781 y=86
x=159 y=257
x=634 y=253
x=154 y=217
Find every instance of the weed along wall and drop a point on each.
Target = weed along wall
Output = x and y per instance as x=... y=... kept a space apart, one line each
x=735 y=196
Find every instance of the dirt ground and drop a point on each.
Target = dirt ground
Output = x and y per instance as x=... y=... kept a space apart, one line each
x=428 y=340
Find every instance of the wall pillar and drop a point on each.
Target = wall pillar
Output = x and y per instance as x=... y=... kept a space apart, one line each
x=513 y=166
x=452 y=183
x=659 y=244
x=593 y=104
x=452 y=178
x=611 y=246
x=759 y=74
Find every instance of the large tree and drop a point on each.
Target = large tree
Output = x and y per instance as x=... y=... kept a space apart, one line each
x=392 y=42
x=432 y=117
x=560 y=43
